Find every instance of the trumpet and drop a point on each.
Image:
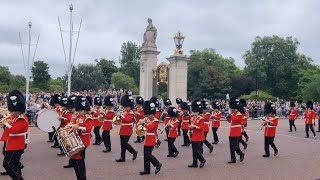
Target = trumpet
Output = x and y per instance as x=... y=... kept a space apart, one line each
x=117 y=119
x=264 y=122
x=167 y=125
x=4 y=119
x=140 y=129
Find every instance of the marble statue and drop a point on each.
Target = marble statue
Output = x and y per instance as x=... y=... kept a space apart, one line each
x=150 y=35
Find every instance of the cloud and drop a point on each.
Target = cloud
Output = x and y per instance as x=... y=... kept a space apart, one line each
x=228 y=26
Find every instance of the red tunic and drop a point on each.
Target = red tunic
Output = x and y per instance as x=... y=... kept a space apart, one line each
x=216 y=115
x=126 y=123
x=107 y=120
x=67 y=115
x=18 y=133
x=158 y=114
x=310 y=116
x=206 y=118
x=235 y=121
x=86 y=123
x=197 y=134
x=5 y=133
x=96 y=121
x=293 y=114
x=139 y=115
x=270 y=128
x=185 y=121
x=151 y=133
x=173 y=128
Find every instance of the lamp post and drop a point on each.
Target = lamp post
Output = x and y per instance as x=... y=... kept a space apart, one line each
x=178 y=40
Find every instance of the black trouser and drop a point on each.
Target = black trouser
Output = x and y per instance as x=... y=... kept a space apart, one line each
x=167 y=132
x=98 y=137
x=56 y=142
x=148 y=157
x=311 y=128
x=125 y=146
x=140 y=138
x=171 y=147
x=234 y=147
x=206 y=142
x=12 y=164
x=242 y=141
x=269 y=141
x=244 y=133
x=79 y=166
x=179 y=128
x=291 y=123
x=50 y=135
x=319 y=125
x=3 y=148
x=106 y=139
x=215 y=135
x=196 y=153
x=186 y=139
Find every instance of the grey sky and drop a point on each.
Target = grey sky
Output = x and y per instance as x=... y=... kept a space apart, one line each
x=229 y=26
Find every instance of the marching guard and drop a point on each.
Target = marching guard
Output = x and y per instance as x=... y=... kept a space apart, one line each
x=172 y=125
x=97 y=101
x=179 y=101
x=167 y=103
x=235 y=120
x=310 y=117
x=126 y=119
x=270 y=124
x=185 y=123
x=151 y=125
x=216 y=117
x=107 y=117
x=157 y=115
x=244 y=123
x=65 y=118
x=55 y=103
x=139 y=115
x=197 y=134
x=293 y=115
x=206 y=117
x=17 y=139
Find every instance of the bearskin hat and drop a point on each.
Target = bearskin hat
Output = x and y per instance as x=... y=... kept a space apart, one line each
x=108 y=101
x=167 y=102
x=179 y=100
x=70 y=101
x=196 y=106
x=310 y=104
x=205 y=105
x=215 y=105
x=241 y=109
x=139 y=100
x=234 y=103
x=184 y=106
x=16 y=101
x=89 y=100
x=270 y=108
x=155 y=100
x=97 y=101
x=127 y=101
x=173 y=112
x=64 y=101
x=81 y=103
x=292 y=104
x=149 y=107
x=243 y=102
x=55 y=99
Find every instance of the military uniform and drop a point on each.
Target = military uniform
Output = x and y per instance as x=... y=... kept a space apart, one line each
x=139 y=114
x=216 y=117
x=270 y=129
x=96 y=122
x=173 y=131
x=310 y=117
x=206 y=117
x=293 y=115
x=107 y=123
x=185 y=122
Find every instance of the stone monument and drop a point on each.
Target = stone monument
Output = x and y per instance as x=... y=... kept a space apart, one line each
x=178 y=71
x=148 y=62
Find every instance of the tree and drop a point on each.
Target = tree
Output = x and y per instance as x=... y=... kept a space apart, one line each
x=311 y=91
x=17 y=82
x=163 y=89
x=4 y=75
x=241 y=85
x=56 y=85
x=123 y=81
x=278 y=64
x=209 y=74
x=107 y=67
x=129 y=61
x=262 y=96
x=40 y=75
x=85 y=77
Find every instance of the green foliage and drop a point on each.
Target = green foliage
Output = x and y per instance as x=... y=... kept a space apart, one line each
x=311 y=90
x=4 y=75
x=107 y=67
x=120 y=80
x=162 y=89
x=261 y=96
x=56 y=85
x=279 y=65
x=86 y=76
x=40 y=75
x=129 y=61
x=209 y=74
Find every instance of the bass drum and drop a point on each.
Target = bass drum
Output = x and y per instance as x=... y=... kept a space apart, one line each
x=46 y=119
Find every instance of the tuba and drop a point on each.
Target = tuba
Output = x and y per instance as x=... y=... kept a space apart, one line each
x=140 y=129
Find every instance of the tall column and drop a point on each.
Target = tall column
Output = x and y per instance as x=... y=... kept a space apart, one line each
x=178 y=77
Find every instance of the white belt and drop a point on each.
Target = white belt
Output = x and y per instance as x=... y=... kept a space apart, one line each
x=185 y=121
x=19 y=134
x=291 y=114
x=85 y=133
x=206 y=122
x=150 y=134
x=270 y=126
x=108 y=120
x=235 y=126
x=126 y=124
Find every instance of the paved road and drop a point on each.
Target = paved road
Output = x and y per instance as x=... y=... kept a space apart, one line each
x=299 y=158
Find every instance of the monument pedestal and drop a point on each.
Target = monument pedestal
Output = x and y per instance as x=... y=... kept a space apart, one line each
x=148 y=63
x=178 y=77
